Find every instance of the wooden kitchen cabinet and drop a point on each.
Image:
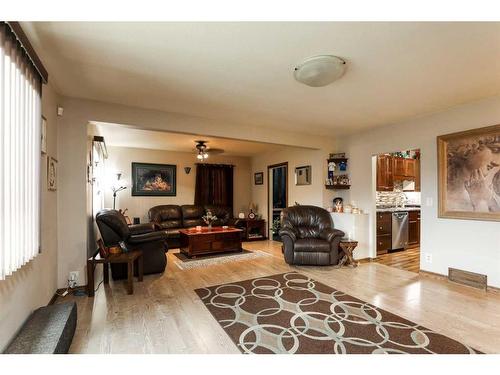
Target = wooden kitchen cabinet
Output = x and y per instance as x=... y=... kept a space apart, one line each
x=414 y=228
x=404 y=169
x=385 y=166
x=384 y=232
x=417 y=175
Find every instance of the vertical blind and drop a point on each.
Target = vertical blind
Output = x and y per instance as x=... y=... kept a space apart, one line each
x=20 y=122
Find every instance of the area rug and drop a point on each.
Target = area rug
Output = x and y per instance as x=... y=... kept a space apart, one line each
x=183 y=262
x=292 y=313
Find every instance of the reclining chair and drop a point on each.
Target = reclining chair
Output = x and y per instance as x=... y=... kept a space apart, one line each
x=114 y=229
x=309 y=237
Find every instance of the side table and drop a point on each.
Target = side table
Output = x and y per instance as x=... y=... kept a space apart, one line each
x=348 y=247
x=130 y=258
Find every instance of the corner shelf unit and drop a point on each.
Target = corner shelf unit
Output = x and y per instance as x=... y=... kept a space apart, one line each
x=337 y=161
x=338 y=187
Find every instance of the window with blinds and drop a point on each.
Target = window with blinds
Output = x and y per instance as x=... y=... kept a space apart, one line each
x=20 y=122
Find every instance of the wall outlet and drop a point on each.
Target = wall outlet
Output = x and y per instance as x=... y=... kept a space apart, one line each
x=73 y=279
x=428 y=257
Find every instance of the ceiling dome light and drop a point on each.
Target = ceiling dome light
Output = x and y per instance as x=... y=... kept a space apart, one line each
x=318 y=71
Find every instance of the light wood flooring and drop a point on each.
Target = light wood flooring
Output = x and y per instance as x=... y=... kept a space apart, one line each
x=408 y=260
x=164 y=315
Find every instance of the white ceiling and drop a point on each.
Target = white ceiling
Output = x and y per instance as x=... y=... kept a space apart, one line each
x=123 y=136
x=242 y=72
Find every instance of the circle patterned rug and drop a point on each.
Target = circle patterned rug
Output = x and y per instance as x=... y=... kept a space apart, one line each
x=292 y=313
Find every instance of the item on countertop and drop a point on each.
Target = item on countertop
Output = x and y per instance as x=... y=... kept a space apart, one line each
x=338 y=204
x=355 y=210
x=251 y=215
x=241 y=215
x=137 y=220
x=348 y=209
x=198 y=228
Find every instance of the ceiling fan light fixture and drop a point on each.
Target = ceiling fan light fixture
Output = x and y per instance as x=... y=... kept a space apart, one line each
x=319 y=71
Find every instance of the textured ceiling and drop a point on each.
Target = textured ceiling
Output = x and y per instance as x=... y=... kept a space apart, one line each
x=241 y=73
x=123 y=136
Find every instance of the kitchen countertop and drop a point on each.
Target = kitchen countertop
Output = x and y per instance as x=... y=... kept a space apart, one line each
x=398 y=209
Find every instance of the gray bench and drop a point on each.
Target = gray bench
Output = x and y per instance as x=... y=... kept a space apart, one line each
x=49 y=330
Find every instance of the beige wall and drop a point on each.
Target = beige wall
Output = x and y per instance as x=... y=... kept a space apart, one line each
x=34 y=284
x=314 y=194
x=121 y=158
x=464 y=244
x=72 y=141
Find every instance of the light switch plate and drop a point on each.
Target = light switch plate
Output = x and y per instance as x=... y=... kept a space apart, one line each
x=429 y=201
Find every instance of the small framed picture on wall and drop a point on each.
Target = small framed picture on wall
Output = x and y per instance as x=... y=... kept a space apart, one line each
x=258 y=178
x=43 y=136
x=51 y=174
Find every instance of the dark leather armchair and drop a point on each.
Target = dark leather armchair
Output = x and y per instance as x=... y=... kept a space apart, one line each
x=309 y=237
x=114 y=229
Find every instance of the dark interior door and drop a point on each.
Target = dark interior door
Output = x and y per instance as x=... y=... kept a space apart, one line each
x=279 y=192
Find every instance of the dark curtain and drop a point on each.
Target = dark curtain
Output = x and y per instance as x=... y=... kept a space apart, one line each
x=214 y=185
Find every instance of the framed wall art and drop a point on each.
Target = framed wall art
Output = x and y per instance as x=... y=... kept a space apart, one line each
x=51 y=174
x=154 y=179
x=303 y=175
x=258 y=178
x=469 y=174
x=43 y=135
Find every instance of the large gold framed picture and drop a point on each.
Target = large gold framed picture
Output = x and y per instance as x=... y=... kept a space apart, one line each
x=469 y=174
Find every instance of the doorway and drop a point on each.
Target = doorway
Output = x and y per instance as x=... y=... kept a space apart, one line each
x=277 y=194
x=397 y=198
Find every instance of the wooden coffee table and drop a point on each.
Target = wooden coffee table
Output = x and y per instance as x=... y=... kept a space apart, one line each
x=209 y=241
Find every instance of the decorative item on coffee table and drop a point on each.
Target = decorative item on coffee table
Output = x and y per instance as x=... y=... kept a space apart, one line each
x=209 y=219
x=348 y=246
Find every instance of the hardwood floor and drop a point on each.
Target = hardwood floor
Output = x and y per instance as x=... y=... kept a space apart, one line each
x=408 y=260
x=164 y=315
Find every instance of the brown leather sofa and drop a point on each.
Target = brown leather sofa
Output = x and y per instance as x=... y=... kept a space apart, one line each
x=170 y=218
x=114 y=228
x=309 y=237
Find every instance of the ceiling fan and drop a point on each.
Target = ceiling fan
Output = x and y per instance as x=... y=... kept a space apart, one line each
x=203 y=151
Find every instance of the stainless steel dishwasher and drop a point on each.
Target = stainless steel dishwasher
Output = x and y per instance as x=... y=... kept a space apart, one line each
x=399 y=230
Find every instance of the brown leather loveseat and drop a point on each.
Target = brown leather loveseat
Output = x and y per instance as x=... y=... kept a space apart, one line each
x=170 y=218
x=309 y=237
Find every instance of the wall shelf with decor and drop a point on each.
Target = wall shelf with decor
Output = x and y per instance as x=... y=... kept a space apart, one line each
x=337 y=176
x=338 y=187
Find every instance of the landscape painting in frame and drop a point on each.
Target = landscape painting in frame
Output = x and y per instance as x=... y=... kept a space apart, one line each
x=153 y=179
x=469 y=174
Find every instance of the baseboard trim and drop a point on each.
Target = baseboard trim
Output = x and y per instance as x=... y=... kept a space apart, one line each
x=440 y=276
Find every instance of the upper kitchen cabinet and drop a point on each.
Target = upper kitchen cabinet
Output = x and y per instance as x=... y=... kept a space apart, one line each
x=404 y=169
x=385 y=167
x=395 y=170
x=417 y=175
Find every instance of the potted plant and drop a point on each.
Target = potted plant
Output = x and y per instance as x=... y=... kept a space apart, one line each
x=275 y=229
x=209 y=218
